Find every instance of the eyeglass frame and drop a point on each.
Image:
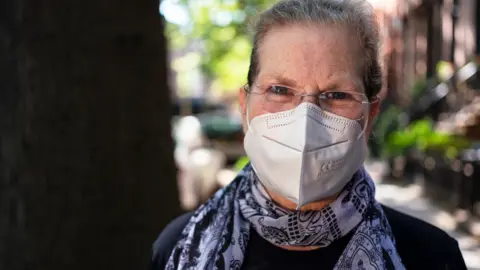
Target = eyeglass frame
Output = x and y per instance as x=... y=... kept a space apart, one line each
x=369 y=102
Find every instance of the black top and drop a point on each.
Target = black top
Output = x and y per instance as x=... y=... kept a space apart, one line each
x=260 y=254
x=420 y=245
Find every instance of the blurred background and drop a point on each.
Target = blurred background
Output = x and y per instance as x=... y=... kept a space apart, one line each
x=117 y=116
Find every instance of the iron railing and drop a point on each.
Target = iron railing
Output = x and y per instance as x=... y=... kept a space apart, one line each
x=453 y=183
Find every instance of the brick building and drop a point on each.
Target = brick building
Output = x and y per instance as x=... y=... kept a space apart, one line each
x=424 y=32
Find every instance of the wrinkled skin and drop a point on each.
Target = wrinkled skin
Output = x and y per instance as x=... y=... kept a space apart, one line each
x=313 y=58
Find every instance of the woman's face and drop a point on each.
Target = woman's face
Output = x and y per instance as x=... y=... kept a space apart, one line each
x=311 y=59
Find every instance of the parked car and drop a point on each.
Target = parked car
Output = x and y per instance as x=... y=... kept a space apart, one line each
x=220 y=129
x=205 y=143
x=196 y=106
x=224 y=132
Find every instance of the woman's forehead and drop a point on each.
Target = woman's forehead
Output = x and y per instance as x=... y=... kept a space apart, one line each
x=338 y=79
x=303 y=53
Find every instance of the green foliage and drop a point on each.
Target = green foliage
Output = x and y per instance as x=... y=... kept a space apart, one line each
x=422 y=85
x=419 y=88
x=241 y=163
x=421 y=135
x=221 y=27
x=444 y=70
x=387 y=122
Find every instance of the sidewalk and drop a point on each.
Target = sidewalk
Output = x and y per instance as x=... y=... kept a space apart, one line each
x=410 y=201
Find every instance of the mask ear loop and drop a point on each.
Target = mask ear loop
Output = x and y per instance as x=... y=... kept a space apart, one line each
x=375 y=99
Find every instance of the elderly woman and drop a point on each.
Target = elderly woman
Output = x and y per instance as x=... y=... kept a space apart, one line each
x=305 y=201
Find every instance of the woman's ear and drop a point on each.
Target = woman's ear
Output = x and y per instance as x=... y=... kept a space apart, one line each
x=374 y=110
x=242 y=98
x=242 y=101
x=375 y=107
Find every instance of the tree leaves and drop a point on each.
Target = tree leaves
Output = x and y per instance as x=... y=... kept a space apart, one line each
x=220 y=29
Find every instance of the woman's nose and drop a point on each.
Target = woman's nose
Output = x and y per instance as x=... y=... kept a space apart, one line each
x=310 y=98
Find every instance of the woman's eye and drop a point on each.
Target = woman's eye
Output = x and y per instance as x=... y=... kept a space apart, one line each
x=338 y=95
x=279 y=90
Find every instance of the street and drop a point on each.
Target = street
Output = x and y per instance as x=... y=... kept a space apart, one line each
x=409 y=200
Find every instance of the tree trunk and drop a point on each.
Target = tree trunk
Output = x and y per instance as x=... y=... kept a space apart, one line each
x=87 y=178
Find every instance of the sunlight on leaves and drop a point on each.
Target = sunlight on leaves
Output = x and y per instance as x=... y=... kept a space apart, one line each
x=422 y=135
x=188 y=62
x=220 y=29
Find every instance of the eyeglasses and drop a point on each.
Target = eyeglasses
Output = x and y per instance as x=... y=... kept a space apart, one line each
x=278 y=98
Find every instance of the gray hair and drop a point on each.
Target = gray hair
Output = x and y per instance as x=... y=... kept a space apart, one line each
x=356 y=15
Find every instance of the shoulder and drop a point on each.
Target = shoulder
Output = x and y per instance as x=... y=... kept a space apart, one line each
x=419 y=230
x=163 y=246
x=422 y=245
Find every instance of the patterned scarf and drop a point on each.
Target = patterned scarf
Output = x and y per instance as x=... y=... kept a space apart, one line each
x=217 y=234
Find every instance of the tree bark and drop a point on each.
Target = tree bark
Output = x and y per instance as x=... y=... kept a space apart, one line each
x=87 y=178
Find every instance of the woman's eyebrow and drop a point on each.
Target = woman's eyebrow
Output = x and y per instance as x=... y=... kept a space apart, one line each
x=345 y=81
x=280 y=79
x=342 y=85
x=336 y=82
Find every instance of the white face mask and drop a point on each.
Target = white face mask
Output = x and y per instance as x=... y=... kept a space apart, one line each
x=305 y=154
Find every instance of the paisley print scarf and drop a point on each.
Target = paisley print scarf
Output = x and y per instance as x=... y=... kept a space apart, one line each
x=216 y=236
